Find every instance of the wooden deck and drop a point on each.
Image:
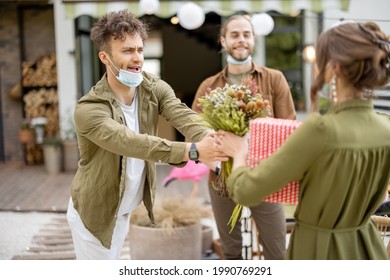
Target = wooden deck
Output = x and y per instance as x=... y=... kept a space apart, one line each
x=31 y=188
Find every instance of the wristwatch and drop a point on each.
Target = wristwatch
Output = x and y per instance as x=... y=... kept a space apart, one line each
x=218 y=168
x=193 y=154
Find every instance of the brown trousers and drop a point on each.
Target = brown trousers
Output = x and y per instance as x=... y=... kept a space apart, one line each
x=270 y=222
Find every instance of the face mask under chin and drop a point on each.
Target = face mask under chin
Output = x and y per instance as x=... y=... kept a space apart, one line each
x=127 y=78
x=232 y=60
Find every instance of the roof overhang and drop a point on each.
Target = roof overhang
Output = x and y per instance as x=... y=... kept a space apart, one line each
x=168 y=8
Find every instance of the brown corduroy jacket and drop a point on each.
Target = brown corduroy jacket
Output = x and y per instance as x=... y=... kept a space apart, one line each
x=272 y=85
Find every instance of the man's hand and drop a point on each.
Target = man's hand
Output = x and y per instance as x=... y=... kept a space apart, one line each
x=208 y=149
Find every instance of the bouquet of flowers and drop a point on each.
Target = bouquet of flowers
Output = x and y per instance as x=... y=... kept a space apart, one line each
x=231 y=108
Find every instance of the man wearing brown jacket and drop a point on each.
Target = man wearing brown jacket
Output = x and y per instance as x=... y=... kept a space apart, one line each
x=237 y=39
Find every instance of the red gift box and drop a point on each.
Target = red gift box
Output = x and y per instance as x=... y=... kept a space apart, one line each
x=266 y=135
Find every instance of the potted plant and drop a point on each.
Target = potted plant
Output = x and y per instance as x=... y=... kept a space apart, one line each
x=177 y=234
x=52 y=154
x=26 y=132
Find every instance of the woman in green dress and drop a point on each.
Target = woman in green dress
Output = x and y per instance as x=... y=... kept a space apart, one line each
x=341 y=158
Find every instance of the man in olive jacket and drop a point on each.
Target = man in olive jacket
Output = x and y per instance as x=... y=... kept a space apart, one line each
x=116 y=126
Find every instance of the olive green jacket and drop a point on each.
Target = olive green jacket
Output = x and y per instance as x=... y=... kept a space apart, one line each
x=104 y=143
x=342 y=161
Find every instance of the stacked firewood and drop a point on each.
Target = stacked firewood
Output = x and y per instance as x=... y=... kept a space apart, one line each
x=41 y=99
x=42 y=73
x=43 y=102
x=33 y=153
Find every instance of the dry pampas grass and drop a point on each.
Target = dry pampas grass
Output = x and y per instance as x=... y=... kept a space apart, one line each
x=171 y=213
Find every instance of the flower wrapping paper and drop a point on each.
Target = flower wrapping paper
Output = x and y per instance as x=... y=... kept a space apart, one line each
x=266 y=135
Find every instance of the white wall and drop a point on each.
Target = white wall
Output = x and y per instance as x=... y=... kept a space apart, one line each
x=66 y=65
x=310 y=37
x=362 y=10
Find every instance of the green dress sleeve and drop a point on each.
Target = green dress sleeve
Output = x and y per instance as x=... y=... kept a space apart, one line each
x=248 y=186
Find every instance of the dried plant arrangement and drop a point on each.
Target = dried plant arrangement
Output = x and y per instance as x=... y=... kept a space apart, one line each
x=171 y=213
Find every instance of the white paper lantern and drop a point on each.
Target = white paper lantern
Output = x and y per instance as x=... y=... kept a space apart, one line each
x=191 y=16
x=263 y=24
x=149 y=7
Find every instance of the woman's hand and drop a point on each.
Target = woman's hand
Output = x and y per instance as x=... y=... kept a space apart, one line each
x=234 y=146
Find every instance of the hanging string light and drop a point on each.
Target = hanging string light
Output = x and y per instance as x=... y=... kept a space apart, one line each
x=309 y=54
x=174 y=20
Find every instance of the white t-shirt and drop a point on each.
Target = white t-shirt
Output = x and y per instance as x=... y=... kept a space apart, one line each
x=135 y=168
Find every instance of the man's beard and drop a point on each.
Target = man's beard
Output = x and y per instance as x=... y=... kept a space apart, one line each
x=239 y=57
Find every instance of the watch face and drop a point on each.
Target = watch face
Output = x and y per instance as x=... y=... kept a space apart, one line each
x=193 y=155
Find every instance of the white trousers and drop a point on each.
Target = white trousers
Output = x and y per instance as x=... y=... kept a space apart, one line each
x=87 y=246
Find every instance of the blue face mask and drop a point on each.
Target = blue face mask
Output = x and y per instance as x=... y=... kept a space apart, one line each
x=232 y=60
x=127 y=78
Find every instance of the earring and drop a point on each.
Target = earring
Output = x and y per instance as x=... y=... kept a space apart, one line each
x=333 y=90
